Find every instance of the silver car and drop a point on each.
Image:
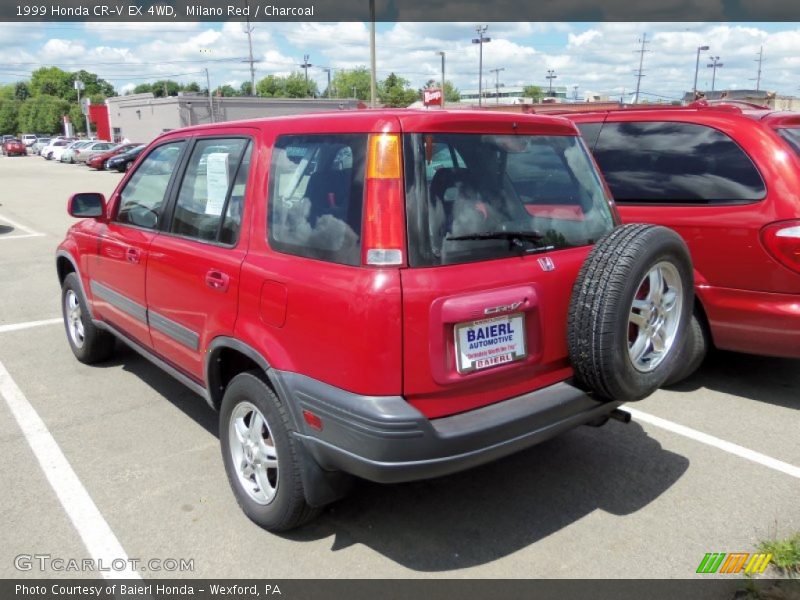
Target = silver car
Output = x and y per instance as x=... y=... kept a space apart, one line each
x=67 y=155
x=94 y=148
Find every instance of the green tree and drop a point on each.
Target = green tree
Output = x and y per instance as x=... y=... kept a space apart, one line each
x=350 y=83
x=52 y=81
x=191 y=87
x=451 y=93
x=245 y=89
x=271 y=86
x=226 y=90
x=143 y=88
x=165 y=87
x=7 y=91
x=93 y=85
x=296 y=86
x=22 y=91
x=534 y=92
x=394 y=91
x=9 y=109
x=42 y=113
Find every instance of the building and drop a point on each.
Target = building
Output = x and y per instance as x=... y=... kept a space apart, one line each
x=510 y=94
x=761 y=97
x=142 y=117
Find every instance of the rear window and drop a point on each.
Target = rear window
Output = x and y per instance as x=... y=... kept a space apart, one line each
x=477 y=197
x=316 y=196
x=669 y=162
x=792 y=137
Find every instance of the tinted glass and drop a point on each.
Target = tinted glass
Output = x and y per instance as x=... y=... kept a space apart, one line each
x=543 y=188
x=316 y=196
x=675 y=163
x=214 y=174
x=589 y=132
x=142 y=198
x=792 y=137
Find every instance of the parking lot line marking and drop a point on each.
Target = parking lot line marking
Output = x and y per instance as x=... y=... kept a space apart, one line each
x=710 y=440
x=29 y=324
x=28 y=230
x=93 y=529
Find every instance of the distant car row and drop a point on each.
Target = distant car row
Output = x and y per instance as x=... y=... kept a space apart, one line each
x=96 y=154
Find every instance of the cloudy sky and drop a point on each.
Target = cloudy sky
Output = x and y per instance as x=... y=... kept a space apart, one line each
x=597 y=57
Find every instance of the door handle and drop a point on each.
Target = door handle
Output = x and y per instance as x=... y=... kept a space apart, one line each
x=133 y=255
x=217 y=280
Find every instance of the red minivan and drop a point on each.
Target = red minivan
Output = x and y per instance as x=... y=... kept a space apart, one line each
x=726 y=177
x=393 y=295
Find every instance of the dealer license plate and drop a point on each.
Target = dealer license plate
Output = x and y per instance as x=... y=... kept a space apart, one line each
x=490 y=342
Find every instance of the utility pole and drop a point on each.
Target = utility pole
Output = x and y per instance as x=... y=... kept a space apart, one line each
x=759 y=60
x=441 y=53
x=481 y=40
x=640 y=72
x=328 y=71
x=373 y=70
x=696 y=69
x=210 y=99
x=551 y=74
x=575 y=92
x=497 y=84
x=715 y=64
x=250 y=59
x=306 y=66
x=166 y=91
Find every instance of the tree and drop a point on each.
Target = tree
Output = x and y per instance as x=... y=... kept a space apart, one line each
x=296 y=86
x=246 y=89
x=394 y=91
x=534 y=92
x=22 y=91
x=165 y=87
x=451 y=93
x=52 y=81
x=42 y=113
x=271 y=86
x=351 y=83
x=93 y=85
x=9 y=109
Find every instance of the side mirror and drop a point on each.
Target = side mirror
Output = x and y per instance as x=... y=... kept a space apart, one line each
x=87 y=205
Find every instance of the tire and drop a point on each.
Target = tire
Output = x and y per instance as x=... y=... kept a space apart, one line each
x=89 y=343
x=693 y=353
x=277 y=502
x=629 y=311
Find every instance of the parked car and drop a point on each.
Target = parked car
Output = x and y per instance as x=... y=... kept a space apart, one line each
x=98 y=160
x=6 y=138
x=122 y=162
x=69 y=153
x=350 y=313
x=14 y=147
x=83 y=153
x=36 y=147
x=55 y=144
x=29 y=139
x=725 y=176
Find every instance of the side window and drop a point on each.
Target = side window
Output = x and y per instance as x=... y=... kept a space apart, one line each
x=589 y=132
x=315 y=196
x=672 y=162
x=213 y=186
x=142 y=198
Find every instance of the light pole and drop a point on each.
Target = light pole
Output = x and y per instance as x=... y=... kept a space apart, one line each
x=551 y=74
x=306 y=66
x=441 y=53
x=78 y=87
x=481 y=40
x=497 y=84
x=715 y=64
x=696 y=69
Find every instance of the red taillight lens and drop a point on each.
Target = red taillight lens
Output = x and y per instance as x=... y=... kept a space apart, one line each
x=384 y=206
x=782 y=240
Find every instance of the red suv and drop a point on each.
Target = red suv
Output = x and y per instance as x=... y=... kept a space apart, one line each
x=727 y=178
x=388 y=294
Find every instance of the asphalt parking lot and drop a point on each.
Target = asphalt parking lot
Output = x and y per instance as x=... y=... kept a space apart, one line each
x=712 y=466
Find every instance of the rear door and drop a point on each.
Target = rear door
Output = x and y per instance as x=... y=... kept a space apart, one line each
x=118 y=276
x=485 y=319
x=193 y=270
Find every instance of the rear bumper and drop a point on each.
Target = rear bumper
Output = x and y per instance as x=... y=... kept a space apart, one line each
x=752 y=321
x=387 y=440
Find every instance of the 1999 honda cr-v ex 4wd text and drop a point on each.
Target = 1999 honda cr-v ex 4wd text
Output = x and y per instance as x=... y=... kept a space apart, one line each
x=394 y=295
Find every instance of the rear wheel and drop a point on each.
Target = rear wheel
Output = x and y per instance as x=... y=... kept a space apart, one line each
x=693 y=352
x=89 y=343
x=260 y=455
x=630 y=308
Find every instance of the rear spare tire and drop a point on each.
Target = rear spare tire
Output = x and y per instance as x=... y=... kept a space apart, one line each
x=630 y=308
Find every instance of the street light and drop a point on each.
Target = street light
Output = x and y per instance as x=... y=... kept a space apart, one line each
x=696 y=69
x=551 y=74
x=715 y=64
x=441 y=53
x=481 y=40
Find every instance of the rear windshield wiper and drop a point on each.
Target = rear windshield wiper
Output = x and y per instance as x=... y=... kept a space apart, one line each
x=515 y=239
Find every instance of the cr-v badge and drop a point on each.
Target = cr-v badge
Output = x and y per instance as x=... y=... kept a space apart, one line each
x=547 y=263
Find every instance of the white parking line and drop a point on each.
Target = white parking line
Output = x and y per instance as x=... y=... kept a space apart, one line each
x=710 y=440
x=28 y=325
x=28 y=230
x=97 y=536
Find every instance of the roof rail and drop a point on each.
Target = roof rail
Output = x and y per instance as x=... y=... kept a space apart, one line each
x=725 y=104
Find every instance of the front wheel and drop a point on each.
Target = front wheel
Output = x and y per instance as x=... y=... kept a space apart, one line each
x=630 y=308
x=260 y=455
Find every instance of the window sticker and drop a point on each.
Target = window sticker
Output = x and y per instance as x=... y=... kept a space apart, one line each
x=216 y=182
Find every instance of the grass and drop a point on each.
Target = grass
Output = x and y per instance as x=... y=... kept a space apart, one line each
x=785 y=554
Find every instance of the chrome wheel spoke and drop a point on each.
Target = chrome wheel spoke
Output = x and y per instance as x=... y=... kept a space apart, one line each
x=253 y=453
x=267 y=455
x=638 y=320
x=256 y=424
x=656 y=285
x=241 y=430
x=658 y=341
x=639 y=347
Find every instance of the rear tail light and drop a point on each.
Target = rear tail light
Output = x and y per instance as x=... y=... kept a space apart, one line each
x=782 y=241
x=384 y=206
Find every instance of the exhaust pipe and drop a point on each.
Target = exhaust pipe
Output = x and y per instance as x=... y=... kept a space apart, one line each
x=620 y=415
